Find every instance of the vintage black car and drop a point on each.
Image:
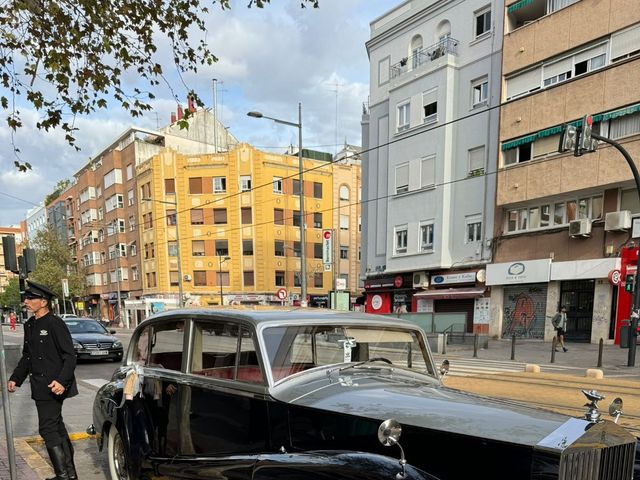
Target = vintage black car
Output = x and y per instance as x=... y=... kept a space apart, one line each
x=92 y=341
x=304 y=394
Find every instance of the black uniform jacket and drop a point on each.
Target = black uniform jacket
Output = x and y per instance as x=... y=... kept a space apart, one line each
x=47 y=355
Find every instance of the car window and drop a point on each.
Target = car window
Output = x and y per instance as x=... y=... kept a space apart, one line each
x=165 y=345
x=84 y=326
x=293 y=349
x=215 y=352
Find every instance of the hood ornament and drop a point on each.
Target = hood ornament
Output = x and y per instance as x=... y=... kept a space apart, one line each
x=593 y=397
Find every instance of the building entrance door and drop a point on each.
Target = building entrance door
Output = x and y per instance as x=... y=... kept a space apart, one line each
x=577 y=296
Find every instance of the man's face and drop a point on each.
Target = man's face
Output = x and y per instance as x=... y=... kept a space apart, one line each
x=34 y=304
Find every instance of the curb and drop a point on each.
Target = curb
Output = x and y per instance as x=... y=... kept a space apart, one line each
x=33 y=459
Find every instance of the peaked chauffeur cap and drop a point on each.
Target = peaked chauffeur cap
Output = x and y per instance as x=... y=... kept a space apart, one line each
x=35 y=290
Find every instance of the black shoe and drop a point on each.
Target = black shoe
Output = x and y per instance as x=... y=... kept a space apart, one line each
x=59 y=462
x=565 y=349
x=68 y=452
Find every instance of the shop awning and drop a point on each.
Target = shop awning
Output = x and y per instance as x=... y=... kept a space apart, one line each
x=450 y=293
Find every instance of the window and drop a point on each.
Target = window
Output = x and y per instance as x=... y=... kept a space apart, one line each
x=247 y=247
x=199 y=278
x=112 y=177
x=344 y=222
x=130 y=197
x=428 y=172
x=296 y=186
x=219 y=184
x=174 y=278
x=133 y=250
x=519 y=154
x=318 y=278
x=279 y=278
x=317 y=190
x=219 y=216
x=245 y=183
x=147 y=220
x=473 y=229
x=172 y=249
x=426 y=237
x=170 y=186
x=197 y=216
x=132 y=223
x=277 y=184
x=222 y=248
x=400 y=239
x=195 y=185
x=149 y=251
x=625 y=44
x=590 y=60
x=482 y=22
x=129 y=171
x=480 y=91
x=278 y=216
x=145 y=191
x=402 y=178
x=135 y=274
x=296 y=218
x=151 y=279
x=476 y=160
x=278 y=248
x=624 y=126
x=317 y=250
x=223 y=279
x=344 y=252
x=317 y=220
x=404 y=116
x=197 y=248
x=553 y=215
x=171 y=217
x=344 y=192
x=248 y=278
x=297 y=250
x=246 y=215
x=431 y=112
x=296 y=279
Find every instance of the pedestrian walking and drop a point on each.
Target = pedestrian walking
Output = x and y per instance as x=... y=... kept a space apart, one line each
x=49 y=359
x=559 y=322
x=12 y=321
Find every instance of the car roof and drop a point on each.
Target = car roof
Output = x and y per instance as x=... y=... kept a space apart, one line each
x=79 y=319
x=283 y=315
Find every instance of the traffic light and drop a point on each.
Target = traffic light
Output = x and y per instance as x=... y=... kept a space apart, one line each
x=587 y=144
x=629 y=281
x=567 y=138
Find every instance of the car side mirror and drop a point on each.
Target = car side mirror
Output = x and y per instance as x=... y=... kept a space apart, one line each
x=112 y=332
x=615 y=408
x=389 y=433
x=444 y=368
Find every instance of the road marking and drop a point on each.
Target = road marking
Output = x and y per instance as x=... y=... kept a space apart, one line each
x=95 y=382
x=464 y=367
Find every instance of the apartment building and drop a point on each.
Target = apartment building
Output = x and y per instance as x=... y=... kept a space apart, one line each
x=430 y=137
x=561 y=220
x=97 y=214
x=20 y=234
x=229 y=226
x=36 y=221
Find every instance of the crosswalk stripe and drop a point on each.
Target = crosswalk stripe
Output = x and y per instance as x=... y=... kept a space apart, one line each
x=474 y=366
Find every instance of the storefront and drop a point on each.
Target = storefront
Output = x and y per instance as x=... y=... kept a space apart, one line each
x=389 y=294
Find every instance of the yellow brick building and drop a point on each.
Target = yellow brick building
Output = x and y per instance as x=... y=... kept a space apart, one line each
x=239 y=233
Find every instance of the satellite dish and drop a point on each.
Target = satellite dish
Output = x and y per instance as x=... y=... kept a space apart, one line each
x=481 y=275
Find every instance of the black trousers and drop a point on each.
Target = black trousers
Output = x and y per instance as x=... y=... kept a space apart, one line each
x=50 y=424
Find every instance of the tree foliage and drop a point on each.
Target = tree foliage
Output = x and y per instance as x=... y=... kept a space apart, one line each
x=54 y=262
x=11 y=296
x=60 y=187
x=68 y=57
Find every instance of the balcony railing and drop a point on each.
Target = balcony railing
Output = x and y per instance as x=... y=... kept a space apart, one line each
x=446 y=46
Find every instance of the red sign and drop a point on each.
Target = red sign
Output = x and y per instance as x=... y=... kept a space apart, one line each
x=614 y=277
x=397 y=282
x=281 y=293
x=326 y=234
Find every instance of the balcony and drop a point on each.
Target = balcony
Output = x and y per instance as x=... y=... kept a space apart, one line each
x=446 y=46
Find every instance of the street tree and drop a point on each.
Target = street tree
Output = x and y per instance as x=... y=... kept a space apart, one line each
x=69 y=57
x=54 y=262
x=10 y=298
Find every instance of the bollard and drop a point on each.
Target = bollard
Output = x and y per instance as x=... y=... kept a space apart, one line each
x=513 y=346
x=600 y=348
x=475 y=346
x=553 y=350
x=444 y=344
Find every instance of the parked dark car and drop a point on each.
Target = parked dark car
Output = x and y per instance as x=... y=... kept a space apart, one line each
x=306 y=394
x=92 y=341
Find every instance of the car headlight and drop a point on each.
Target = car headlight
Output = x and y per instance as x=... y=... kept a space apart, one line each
x=77 y=345
x=117 y=344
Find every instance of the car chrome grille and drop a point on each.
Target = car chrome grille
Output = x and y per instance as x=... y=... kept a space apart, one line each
x=97 y=346
x=610 y=463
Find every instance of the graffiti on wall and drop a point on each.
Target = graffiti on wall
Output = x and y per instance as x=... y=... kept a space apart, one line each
x=524 y=311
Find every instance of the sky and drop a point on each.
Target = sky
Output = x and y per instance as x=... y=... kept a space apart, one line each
x=268 y=60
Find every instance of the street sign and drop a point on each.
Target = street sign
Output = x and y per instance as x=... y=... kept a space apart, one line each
x=327 y=267
x=281 y=293
x=327 y=247
x=341 y=283
x=65 y=287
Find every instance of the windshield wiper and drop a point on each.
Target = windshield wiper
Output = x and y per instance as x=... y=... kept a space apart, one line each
x=358 y=364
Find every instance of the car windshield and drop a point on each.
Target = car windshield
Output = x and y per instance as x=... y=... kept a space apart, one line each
x=292 y=349
x=84 y=326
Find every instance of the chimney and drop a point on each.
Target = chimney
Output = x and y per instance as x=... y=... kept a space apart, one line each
x=173 y=117
x=192 y=107
x=180 y=114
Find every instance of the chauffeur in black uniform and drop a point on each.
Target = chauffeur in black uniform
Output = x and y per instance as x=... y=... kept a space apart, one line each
x=49 y=359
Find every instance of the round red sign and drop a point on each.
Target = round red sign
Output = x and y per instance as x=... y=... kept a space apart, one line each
x=397 y=282
x=326 y=234
x=615 y=277
x=281 y=293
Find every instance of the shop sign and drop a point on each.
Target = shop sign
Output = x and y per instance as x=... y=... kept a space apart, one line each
x=376 y=302
x=615 y=276
x=341 y=283
x=379 y=283
x=397 y=281
x=245 y=298
x=465 y=277
x=424 y=305
x=513 y=273
x=104 y=296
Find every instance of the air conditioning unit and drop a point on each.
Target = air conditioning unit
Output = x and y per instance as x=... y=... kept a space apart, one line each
x=580 y=228
x=420 y=280
x=187 y=278
x=617 y=220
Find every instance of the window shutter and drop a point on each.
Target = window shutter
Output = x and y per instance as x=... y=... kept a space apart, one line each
x=428 y=171
x=402 y=176
x=556 y=68
x=430 y=96
x=592 y=52
x=476 y=158
x=523 y=83
x=625 y=42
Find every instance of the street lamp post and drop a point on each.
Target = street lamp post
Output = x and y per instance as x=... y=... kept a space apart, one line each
x=221 y=260
x=175 y=204
x=303 y=254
